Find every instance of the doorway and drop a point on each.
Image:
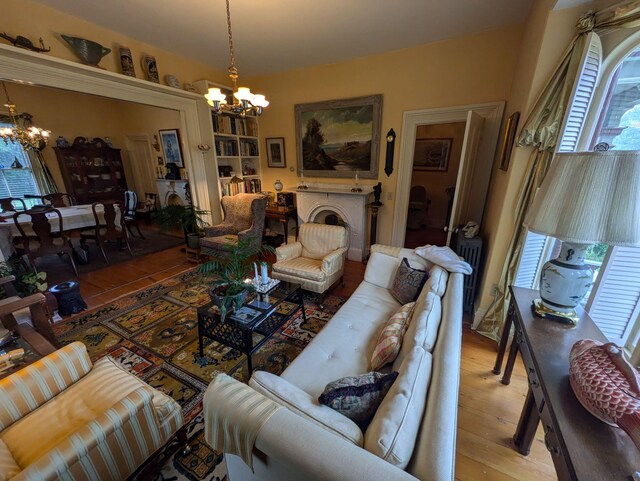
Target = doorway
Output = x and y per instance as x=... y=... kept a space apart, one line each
x=475 y=159
x=142 y=163
x=436 y=158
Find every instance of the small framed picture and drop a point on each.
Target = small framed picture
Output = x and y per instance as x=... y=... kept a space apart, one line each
x=508 y=138
x=275 y=152
x=160 y=161
x=170 y=140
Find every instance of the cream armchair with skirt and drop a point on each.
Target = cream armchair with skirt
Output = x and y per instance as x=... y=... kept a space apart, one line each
x=316 y=260
x=63 y=417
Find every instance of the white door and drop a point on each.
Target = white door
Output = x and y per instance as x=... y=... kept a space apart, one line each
x=142 y=164
x=460 y=206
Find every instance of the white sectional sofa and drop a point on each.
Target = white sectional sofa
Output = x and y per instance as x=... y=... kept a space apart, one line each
x=413 y=433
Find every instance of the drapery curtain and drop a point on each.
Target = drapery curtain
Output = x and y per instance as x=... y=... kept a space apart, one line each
x=541 y=131
x=41 y=173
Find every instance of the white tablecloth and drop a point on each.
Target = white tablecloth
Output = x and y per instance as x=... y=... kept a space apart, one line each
x=74 y=217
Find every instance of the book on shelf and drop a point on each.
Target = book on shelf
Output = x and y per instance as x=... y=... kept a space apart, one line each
x=224 y=124
x=248 y=186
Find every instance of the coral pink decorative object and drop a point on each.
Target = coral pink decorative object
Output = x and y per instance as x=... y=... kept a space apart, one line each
x=606 y=384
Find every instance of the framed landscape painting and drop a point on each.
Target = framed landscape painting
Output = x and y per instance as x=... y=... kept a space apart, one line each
x=432 y=154
x=336 y=138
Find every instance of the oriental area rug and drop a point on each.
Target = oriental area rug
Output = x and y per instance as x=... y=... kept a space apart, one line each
x=153 y=333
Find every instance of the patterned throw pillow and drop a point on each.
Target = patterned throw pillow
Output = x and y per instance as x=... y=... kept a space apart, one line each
x=358 y=397
x=390 y=338
x=408 y=282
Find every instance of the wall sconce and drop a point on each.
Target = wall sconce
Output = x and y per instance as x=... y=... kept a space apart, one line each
x=156 y=144
x=204 y=147
x=391 y=142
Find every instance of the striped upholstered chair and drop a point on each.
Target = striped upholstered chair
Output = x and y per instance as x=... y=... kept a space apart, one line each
x=316 y=260
x=64 y=418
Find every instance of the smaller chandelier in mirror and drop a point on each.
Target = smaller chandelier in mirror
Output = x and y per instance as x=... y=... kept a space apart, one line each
x=30 y=137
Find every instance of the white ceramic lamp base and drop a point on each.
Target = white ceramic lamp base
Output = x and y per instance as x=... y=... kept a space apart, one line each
x=564 y=282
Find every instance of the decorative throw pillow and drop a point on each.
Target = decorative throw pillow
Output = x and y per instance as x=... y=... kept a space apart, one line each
x=358 y=397
x=390 y=338
x=408 y=282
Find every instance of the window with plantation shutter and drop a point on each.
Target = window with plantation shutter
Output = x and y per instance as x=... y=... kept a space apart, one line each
x=530 y=261
x=615 y=302
x=582 y=93
x=16 y=176
x=536 y=245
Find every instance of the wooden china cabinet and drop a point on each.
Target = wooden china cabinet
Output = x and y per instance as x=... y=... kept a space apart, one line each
x=92 y=170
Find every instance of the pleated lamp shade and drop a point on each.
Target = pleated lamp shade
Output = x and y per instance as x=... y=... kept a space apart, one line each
x=590 y=197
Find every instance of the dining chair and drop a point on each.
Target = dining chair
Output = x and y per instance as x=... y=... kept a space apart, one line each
x=130 y=206
x=112 y=227
x=45 y=242
x=150 y=206
x=7 y=204
x=59 y=199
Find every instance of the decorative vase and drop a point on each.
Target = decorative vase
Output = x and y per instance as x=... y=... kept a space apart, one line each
x=90 y=52
x=564 y=281
x=278 y=186
x=226 y=303
x=606 y=384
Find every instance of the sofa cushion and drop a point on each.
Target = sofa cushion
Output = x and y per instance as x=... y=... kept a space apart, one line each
x=392 y=432
x=358 y=397
x=407 y=282
x=298 y=401
x=8 y=466
x=343 y=347
x=437 y=282
x=423 y=329
x=381 y=270
x=390 y=338
x=302 y=267
x=95 y=393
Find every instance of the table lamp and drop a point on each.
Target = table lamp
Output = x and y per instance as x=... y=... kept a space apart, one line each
x=586 y=198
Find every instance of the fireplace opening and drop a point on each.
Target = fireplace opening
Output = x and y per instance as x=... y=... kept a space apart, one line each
x=173 y=199
x=329 y=217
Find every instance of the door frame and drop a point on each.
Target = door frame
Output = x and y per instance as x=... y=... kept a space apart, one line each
x=481 y=172
x=19 y=65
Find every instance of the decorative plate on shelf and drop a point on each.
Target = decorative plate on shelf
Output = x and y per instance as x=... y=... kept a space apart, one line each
x=172 y=81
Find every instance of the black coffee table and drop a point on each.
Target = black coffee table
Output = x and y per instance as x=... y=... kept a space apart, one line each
x=261 y=313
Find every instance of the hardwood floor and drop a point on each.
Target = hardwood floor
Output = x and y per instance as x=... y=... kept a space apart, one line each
x=488 y=411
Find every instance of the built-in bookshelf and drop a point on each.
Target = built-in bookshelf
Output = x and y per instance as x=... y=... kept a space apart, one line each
x=237 y=149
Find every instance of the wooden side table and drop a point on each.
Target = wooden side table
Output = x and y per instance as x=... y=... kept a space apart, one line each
x=582 y=447
x=282 y=215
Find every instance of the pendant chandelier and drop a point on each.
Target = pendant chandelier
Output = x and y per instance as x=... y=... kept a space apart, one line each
x=243 y=100
x=30 y=137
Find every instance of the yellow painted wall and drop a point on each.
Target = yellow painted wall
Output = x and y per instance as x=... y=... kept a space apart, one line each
x=436 y=181
x=71 y=114
x=33 y=20
x=466 y=70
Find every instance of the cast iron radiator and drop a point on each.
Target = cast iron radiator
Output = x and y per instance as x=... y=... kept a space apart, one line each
x=471 y=251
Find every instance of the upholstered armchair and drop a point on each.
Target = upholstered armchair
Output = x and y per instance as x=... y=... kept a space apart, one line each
x=316 y=260
x=243 y=218
x=63 y=417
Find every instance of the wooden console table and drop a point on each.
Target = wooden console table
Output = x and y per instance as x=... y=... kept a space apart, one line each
x=282 y=215
x=582 y=447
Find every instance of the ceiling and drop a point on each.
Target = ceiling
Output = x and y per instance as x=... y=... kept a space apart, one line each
x=277 y=35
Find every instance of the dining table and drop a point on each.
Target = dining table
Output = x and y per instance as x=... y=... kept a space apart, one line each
x=73 y=218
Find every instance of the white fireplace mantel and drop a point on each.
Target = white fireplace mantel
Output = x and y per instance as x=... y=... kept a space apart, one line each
x=350 y=206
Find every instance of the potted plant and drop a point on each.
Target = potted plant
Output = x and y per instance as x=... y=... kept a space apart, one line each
x=189 y=219
x=232 y=269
